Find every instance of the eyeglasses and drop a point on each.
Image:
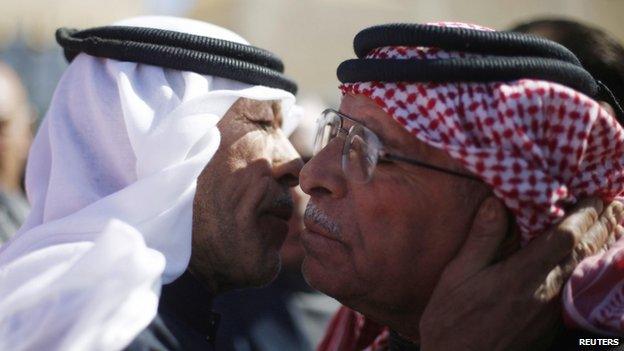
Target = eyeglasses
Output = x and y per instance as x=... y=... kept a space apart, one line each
x=362 y=149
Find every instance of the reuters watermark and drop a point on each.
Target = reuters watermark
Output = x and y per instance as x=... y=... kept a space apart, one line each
x=599 y=342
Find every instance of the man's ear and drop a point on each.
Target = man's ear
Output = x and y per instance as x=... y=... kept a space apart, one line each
x=509 y=241
x=607 y=107
x=482 y=244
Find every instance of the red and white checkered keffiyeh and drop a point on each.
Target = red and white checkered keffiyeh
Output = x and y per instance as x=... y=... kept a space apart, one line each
x=540 y=145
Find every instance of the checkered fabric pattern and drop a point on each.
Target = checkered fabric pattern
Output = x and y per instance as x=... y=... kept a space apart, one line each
x=539 y=145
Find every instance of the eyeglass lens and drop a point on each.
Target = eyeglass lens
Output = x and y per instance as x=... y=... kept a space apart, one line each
x=360 y=152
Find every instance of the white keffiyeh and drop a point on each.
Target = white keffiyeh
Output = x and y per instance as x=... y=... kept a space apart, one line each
x=111 y=178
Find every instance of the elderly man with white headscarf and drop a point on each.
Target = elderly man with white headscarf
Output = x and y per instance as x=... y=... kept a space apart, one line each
x=160 y=128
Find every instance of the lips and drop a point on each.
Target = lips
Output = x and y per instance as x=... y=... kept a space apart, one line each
x=281 y=212
x=274 y=221
x=314 y=227
x=319 y=244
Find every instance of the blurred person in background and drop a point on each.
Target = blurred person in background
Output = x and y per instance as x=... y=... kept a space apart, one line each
x=16 y=117
x=287 y=314
x=600 y=53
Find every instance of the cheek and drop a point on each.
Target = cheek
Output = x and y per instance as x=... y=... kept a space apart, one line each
x=235 y=165
x=407 y=234
x=388 y=223
x=252 y=146
x=232 y=184
x=387 y=213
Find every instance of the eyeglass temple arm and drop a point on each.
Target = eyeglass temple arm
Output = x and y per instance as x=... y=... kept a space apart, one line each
x=425 y=165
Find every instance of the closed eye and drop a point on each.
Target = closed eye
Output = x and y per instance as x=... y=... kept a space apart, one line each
x=265 y=125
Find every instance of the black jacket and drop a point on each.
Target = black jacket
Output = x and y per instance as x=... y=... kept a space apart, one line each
x=185 y=320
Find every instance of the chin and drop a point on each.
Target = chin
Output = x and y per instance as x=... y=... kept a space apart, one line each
x=329 y=282
x=266 y=270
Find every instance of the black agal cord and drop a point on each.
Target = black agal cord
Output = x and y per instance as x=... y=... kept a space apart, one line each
x=506 y=56
x=181 y=51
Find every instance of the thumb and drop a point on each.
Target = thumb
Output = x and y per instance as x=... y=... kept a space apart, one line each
x=487 y=232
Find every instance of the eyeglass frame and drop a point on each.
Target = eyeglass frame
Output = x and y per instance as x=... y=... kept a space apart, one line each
x=383 y=155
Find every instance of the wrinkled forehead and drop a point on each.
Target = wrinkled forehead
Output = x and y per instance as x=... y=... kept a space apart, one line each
x=364 y=110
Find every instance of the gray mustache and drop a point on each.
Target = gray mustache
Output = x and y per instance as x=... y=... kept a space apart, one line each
x=313 y=214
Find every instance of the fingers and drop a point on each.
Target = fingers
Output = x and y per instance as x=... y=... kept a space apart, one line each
x=619 y=232
x=548 y=250
x=602 y=233
x=482 y=243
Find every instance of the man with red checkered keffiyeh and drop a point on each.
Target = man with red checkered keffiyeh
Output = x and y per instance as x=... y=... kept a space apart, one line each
x=434 y=187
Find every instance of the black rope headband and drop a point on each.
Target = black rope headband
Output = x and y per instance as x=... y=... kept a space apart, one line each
x=181 y=51
x=507 y=56
x=473 y=69
x=460 y=39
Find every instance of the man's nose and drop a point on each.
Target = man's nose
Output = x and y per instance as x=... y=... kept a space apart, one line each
x=322 y=175
x=286 y=163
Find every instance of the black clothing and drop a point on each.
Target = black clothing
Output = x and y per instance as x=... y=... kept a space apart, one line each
x=185 y=320
x=264 y=319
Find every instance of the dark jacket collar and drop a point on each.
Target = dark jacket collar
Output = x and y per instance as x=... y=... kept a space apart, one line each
x=188 y=301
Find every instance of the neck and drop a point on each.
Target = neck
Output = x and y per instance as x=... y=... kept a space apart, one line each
x=399 y=342
x=209 y=281
x=408 y=329
x=204 y=273
x=10 y=180
x=403 y=320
